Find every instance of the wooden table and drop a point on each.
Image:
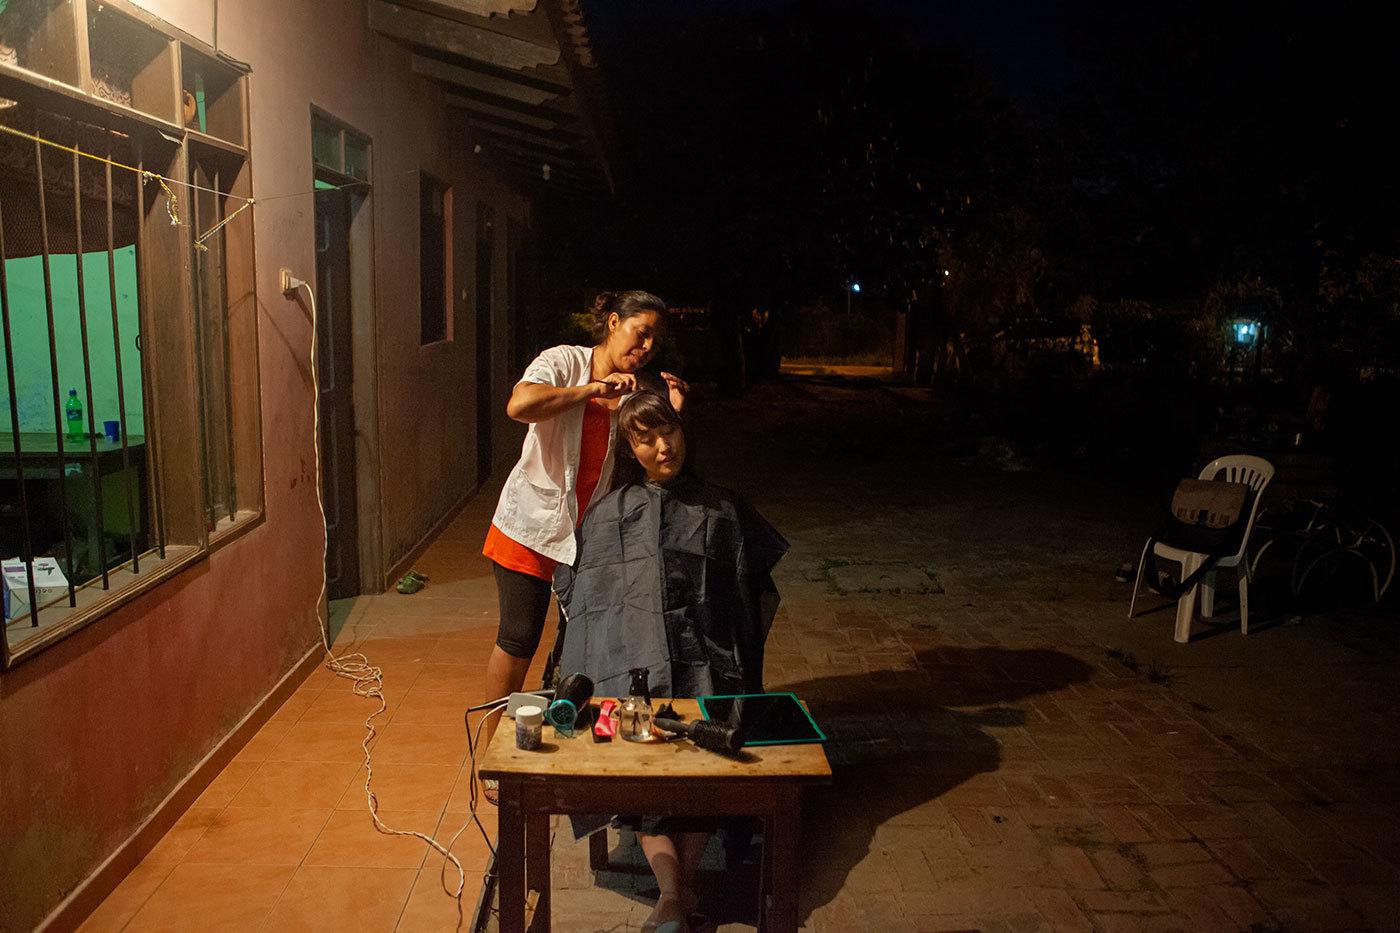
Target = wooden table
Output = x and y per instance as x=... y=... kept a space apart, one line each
x=580 y=776
x=39 y=457
x=39 y=451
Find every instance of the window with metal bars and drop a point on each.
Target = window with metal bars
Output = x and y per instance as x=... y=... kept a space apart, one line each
x=129 y=434
x=208 y=207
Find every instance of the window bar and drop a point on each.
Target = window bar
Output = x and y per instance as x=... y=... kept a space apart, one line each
x=197 y=263
x=87 y=364
x=148 y=387
x=58 y=425
x=222 y=280
x=117 y=356
x=27 y=553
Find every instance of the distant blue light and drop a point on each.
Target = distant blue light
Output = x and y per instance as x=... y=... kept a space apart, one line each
x=855 y=287
x=1246 y=331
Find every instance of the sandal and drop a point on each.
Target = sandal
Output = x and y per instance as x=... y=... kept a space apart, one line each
x=654 y=925
x=491 y=790
x=411 y=583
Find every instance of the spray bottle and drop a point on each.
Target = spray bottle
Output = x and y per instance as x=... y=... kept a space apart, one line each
x=634 y=716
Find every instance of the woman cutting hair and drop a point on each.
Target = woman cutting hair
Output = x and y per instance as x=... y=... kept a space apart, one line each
x=568 y=396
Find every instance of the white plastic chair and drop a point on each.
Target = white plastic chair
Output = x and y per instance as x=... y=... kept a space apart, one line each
x=1255 y=472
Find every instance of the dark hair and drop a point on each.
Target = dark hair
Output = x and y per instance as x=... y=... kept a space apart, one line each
x=643 y=410
x=624 y=305
x=646 y=410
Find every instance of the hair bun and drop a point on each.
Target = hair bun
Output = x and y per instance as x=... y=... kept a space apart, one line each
x=603 y=302
x=623 y=305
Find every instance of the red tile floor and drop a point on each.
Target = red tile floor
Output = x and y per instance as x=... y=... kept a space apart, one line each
x=1041 y=776
x=282 y=839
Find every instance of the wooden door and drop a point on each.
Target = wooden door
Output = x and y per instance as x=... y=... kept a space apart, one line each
x=335 y=399
x=485 y=310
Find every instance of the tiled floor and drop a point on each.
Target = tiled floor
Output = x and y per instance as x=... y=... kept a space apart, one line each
x=282 y=839
x=1010 y=751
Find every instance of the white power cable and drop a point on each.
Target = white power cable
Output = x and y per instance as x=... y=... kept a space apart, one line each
x=473 y=793
x=368 y=678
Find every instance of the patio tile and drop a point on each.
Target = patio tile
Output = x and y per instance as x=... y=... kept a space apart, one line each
x=339 y=706
x=322 y=741
x=290 y=711
x=351 y=840
x=422 y=743
x=263 y=743
x=1041 y=786
x=401 y=786
x=436 y=707
x=431 y=909
x=335 y=900
x=259 y=836
x=211 y=898
x=461 y=678
x=295 y=784
x=227 y=784
x=182 y=837
x=127 y=899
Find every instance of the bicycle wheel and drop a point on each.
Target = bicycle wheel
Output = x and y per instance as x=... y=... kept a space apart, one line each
x=1379 y=547
x=1331 y=572
x=1316 y=543
x=1279 y=533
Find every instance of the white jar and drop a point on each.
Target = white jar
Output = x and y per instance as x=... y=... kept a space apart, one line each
x=529 y=728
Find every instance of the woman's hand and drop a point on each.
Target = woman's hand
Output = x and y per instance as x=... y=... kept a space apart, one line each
x=615 y=385
x=677 y=389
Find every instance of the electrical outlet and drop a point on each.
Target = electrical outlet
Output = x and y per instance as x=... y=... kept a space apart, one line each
x=289 y=282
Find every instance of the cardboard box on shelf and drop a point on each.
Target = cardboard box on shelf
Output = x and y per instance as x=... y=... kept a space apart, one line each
x=49 y=584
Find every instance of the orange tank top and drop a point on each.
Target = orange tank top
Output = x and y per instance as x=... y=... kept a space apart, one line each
x=593 y=450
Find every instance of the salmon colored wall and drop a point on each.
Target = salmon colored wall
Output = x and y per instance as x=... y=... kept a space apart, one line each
x=428 y=395
x=195 y=17
x=97 y=730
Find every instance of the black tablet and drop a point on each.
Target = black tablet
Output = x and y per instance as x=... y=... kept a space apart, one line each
x=768 y=718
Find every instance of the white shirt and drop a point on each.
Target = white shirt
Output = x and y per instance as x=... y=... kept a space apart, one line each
x=539 y=505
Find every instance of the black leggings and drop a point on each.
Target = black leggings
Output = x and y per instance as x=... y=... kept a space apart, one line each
x=524 y=601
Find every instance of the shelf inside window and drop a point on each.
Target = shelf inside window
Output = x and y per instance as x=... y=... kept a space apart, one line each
x=212 y=97
x=41 y=36
x=204 y=140
x=132 y=64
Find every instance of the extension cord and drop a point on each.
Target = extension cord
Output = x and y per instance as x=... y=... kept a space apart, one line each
x=368 y=678
x=517 y=700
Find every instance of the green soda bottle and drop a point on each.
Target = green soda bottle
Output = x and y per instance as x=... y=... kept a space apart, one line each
x=73 y=416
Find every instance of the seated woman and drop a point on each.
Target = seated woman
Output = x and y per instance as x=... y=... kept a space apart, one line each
x=673 y=574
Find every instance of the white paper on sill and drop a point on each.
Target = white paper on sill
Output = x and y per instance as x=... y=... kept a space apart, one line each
x=49 y=582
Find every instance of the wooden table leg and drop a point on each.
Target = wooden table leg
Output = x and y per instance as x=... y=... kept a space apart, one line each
x=598 y=853
x=537 y=867
x=510 y=859
x=765 y=875
x=783 y=827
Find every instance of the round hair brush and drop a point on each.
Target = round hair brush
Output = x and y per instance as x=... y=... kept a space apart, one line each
x=711 y=736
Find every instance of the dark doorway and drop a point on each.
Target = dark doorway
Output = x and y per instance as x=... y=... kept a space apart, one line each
x=485 y=311
x=335 y=397
x=517 y=327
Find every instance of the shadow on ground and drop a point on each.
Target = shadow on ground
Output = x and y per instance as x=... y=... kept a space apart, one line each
x=899 y=740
